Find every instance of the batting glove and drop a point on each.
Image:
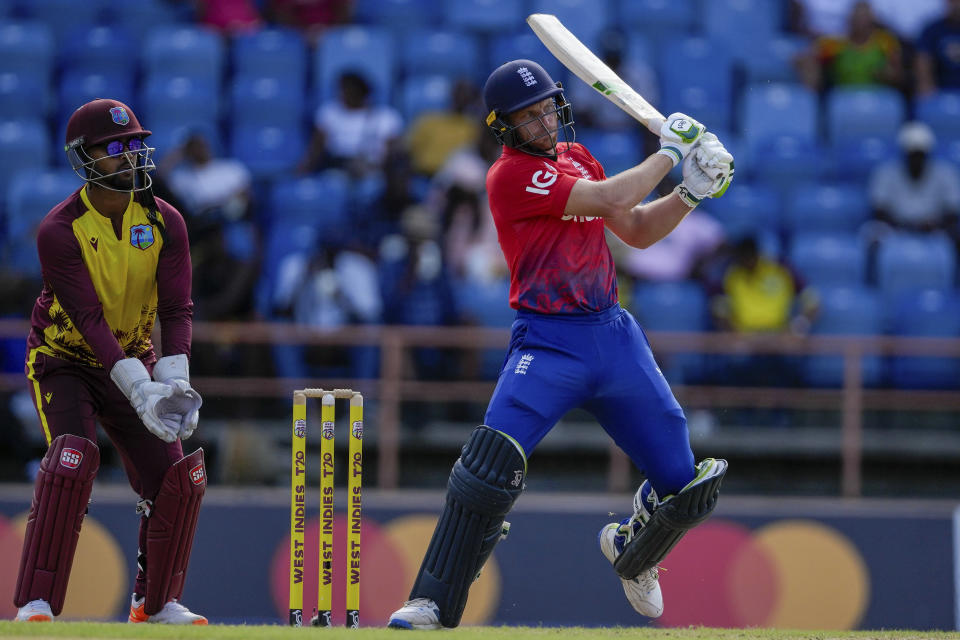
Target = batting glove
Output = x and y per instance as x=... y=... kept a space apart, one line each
x=145 y=396
x=707 y=172
x=185 y=402
x=678 y=135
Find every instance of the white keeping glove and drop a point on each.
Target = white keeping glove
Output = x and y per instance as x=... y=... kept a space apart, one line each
x=678 y=135
x=145 y=396
x=184 y=401
x=707 y=172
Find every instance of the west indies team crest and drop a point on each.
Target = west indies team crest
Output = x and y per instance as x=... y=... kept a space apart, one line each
x=119 y=115
x=141 y=236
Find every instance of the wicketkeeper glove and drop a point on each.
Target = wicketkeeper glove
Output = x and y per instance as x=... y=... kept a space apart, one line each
x=145 y=397
x=678 y=135
x=707 y=172
x=184 y=401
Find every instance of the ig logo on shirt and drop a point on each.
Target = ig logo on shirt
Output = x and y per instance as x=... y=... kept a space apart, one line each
x=542 y=180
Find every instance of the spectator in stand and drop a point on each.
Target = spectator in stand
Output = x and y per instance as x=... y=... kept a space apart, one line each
x=229 y=16
x=434 y=135
x=216 y=197
x=867 y=55
x=351 y=133
x=310 y=16
x=937 y=63
x=916 y=192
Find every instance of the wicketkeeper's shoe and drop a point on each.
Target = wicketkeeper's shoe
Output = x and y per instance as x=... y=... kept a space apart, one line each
x=419 y=613
x=35 y=611
x=643 y=592
x=172 y=613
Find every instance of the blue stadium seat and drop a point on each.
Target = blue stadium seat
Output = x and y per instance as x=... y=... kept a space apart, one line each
x=828 y=258
x=23 y=95
x=487 y=16
x=487 y=305
x=584 y=18
x=434 y=51
x=747 y=208
x=948 y=150
x=24 y=144
x=99 y=49
x=27 y=47
x=398 y=14
x=168 y=135
x=733 y=21
x=65 y=16
x=696 y=77
x=930 y=313
x=265 y=100
x=783 y=161
x=772 y=110
x=143 y=16
x=854 y=160
x=368 y=50
x=908 y=261
x=616 y=150
x=941 y=111
x=30 y=196
x=184 y=51
x=656 y=18
x=852 y=113
x=282 y=241
x=512 y=46
x=268 y=150
x=179 y=99
x=275 y=52
x=845 y=310
x=825 y=207
x=674 y=306
x=421 y=93
x=769 y=59
x=77 y=88
x=320 y=200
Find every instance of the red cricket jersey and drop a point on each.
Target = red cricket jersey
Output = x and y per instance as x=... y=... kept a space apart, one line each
x=559 y=263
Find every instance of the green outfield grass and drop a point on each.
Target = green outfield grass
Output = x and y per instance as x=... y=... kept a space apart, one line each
x=62 y=630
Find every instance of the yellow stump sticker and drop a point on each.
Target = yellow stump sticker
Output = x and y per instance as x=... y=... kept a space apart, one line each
x=354 y=501
x=298 y=507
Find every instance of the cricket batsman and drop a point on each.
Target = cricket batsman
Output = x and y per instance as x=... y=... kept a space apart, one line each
x=572 y=344
x=114 y=259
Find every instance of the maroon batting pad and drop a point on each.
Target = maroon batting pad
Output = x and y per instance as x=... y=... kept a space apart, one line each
x=170 y=529
x=60 y=498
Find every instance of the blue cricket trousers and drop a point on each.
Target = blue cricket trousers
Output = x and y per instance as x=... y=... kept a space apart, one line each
x=602 y=363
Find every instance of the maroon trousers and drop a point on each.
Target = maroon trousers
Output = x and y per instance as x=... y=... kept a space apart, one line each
x=71 y=398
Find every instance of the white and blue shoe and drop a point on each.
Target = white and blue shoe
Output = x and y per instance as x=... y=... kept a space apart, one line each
x=421 y=614
x=643 y=592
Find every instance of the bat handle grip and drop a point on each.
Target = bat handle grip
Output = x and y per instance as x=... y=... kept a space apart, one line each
x=654 y=125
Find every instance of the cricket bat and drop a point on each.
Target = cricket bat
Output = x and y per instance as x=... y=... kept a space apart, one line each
x=576 y=57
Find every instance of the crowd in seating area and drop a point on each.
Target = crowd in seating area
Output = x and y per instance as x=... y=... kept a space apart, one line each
x=330 y=158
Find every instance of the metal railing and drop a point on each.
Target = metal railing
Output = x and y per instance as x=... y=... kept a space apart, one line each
x=391 y=388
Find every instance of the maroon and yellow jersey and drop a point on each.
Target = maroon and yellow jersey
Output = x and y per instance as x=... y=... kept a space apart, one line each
x=102 y=293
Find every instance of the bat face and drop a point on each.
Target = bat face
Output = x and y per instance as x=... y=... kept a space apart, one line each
x=576 y=57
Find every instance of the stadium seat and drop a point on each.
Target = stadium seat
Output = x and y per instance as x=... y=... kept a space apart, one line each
x=268 y=150
x=656 y=18
x=852 y=113
x=398 y=14
x=184 y=51
x=30 y=196
x=845 y=310
x=168 y=135
x=728 y=21
x=616 y=150
x=23 y=95
x=829 y=258
x=24 y=144
x=179 y=99
x=819 y=206
x=948 y=150
x=429 y=51
x=143 y=16
x=368 y=50
x=320 y=200
x=274 y=52
x=27 y=47
x=674 y=306
x=421 y=93
x=772 y=110
x=747 y=208
x=487 y=305
x=512 y=46
x=908 y=261
x=769 y=59
x=77 y=88
x=65 y=16
x=696 y=78
x=282 y=241
x=584 y=18
x=783 y=161
x=265 y=100
x=99 y=49
x=941 y=111
x=929 y=313
x=487 y=16
x=854 y=160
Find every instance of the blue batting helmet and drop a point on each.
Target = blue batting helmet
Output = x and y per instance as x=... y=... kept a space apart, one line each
x=515 y=85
